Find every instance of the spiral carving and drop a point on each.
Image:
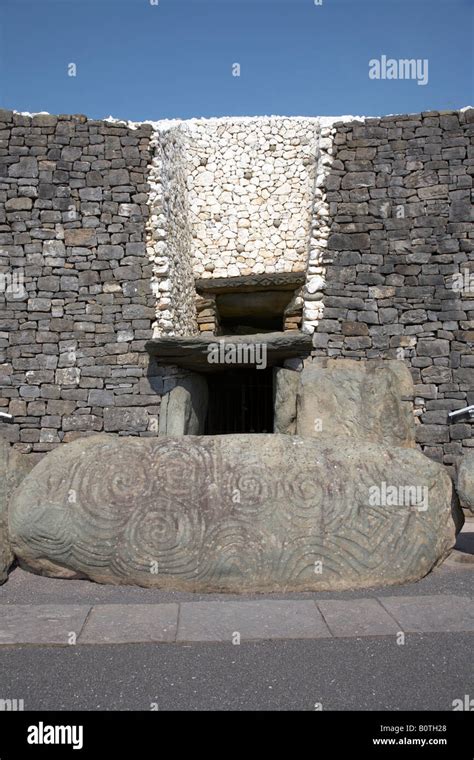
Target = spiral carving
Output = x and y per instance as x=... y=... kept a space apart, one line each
x=228 y=513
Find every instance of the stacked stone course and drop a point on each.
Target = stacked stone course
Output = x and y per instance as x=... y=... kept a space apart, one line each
x=73 y=205
x=110 y=224
x=401 y=228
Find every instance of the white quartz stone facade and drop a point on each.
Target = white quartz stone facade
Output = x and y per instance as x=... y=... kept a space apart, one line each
x=169 y=236
x=233 y=197
x=250 y=195
x=320 y=231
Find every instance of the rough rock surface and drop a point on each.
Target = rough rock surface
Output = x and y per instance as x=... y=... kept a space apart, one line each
x=6 y=556
x=235 y=513
x=184 y=408
x=13 y=468
x=193 y=352
x=465 y=481
x=364 y=401
x=285 y=383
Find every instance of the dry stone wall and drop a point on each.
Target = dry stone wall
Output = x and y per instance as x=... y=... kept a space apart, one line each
x=104 y=226
x=400 y=263
x=78 y=307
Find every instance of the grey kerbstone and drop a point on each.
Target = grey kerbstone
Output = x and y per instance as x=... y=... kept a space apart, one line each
x=360 y=400
x=41 y=623
x=238 y=513
x=268 y=619
x=465 y=481
x=357 y=617
x=429 y=614
x=130 y=623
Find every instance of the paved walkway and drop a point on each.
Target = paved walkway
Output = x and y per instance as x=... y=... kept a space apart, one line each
x=233 y=621
x=42 y=611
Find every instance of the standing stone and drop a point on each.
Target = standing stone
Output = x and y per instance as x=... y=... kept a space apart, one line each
x=465 y=482
x=285 y=384
x=368 y=400
x=184 y=409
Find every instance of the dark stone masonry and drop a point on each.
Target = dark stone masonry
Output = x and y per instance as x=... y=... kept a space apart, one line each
x=400 y=261
x=73 y=208
x=77 y=305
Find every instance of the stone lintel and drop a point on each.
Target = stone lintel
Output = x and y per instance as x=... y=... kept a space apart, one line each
x=249 y=283
x=193 y=352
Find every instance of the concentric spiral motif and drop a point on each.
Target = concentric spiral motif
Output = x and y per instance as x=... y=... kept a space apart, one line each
x=248 y=490
x=236 y=513
x=49 y=526
x=110 y=479
x=180 y=467
x=164 y=540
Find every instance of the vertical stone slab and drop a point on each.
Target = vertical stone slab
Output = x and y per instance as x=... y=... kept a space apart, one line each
x=362 y=400
x=465 y=481
x=285 y=389
x=184 y=409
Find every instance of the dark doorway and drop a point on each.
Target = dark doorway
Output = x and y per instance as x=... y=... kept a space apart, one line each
x=253 y=312
x=240 y=401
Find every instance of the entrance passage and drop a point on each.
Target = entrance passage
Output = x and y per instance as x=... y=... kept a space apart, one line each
x=240 y=401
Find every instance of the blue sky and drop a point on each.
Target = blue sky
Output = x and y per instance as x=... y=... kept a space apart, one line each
x=175 y=59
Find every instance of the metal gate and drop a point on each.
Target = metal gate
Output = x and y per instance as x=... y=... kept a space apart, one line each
x=240 y=401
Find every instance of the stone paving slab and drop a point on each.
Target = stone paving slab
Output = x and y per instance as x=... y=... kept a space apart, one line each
x=431 y=614
x=41 y=623
x=266 y=619
x=358 y=617
x=130 y=623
